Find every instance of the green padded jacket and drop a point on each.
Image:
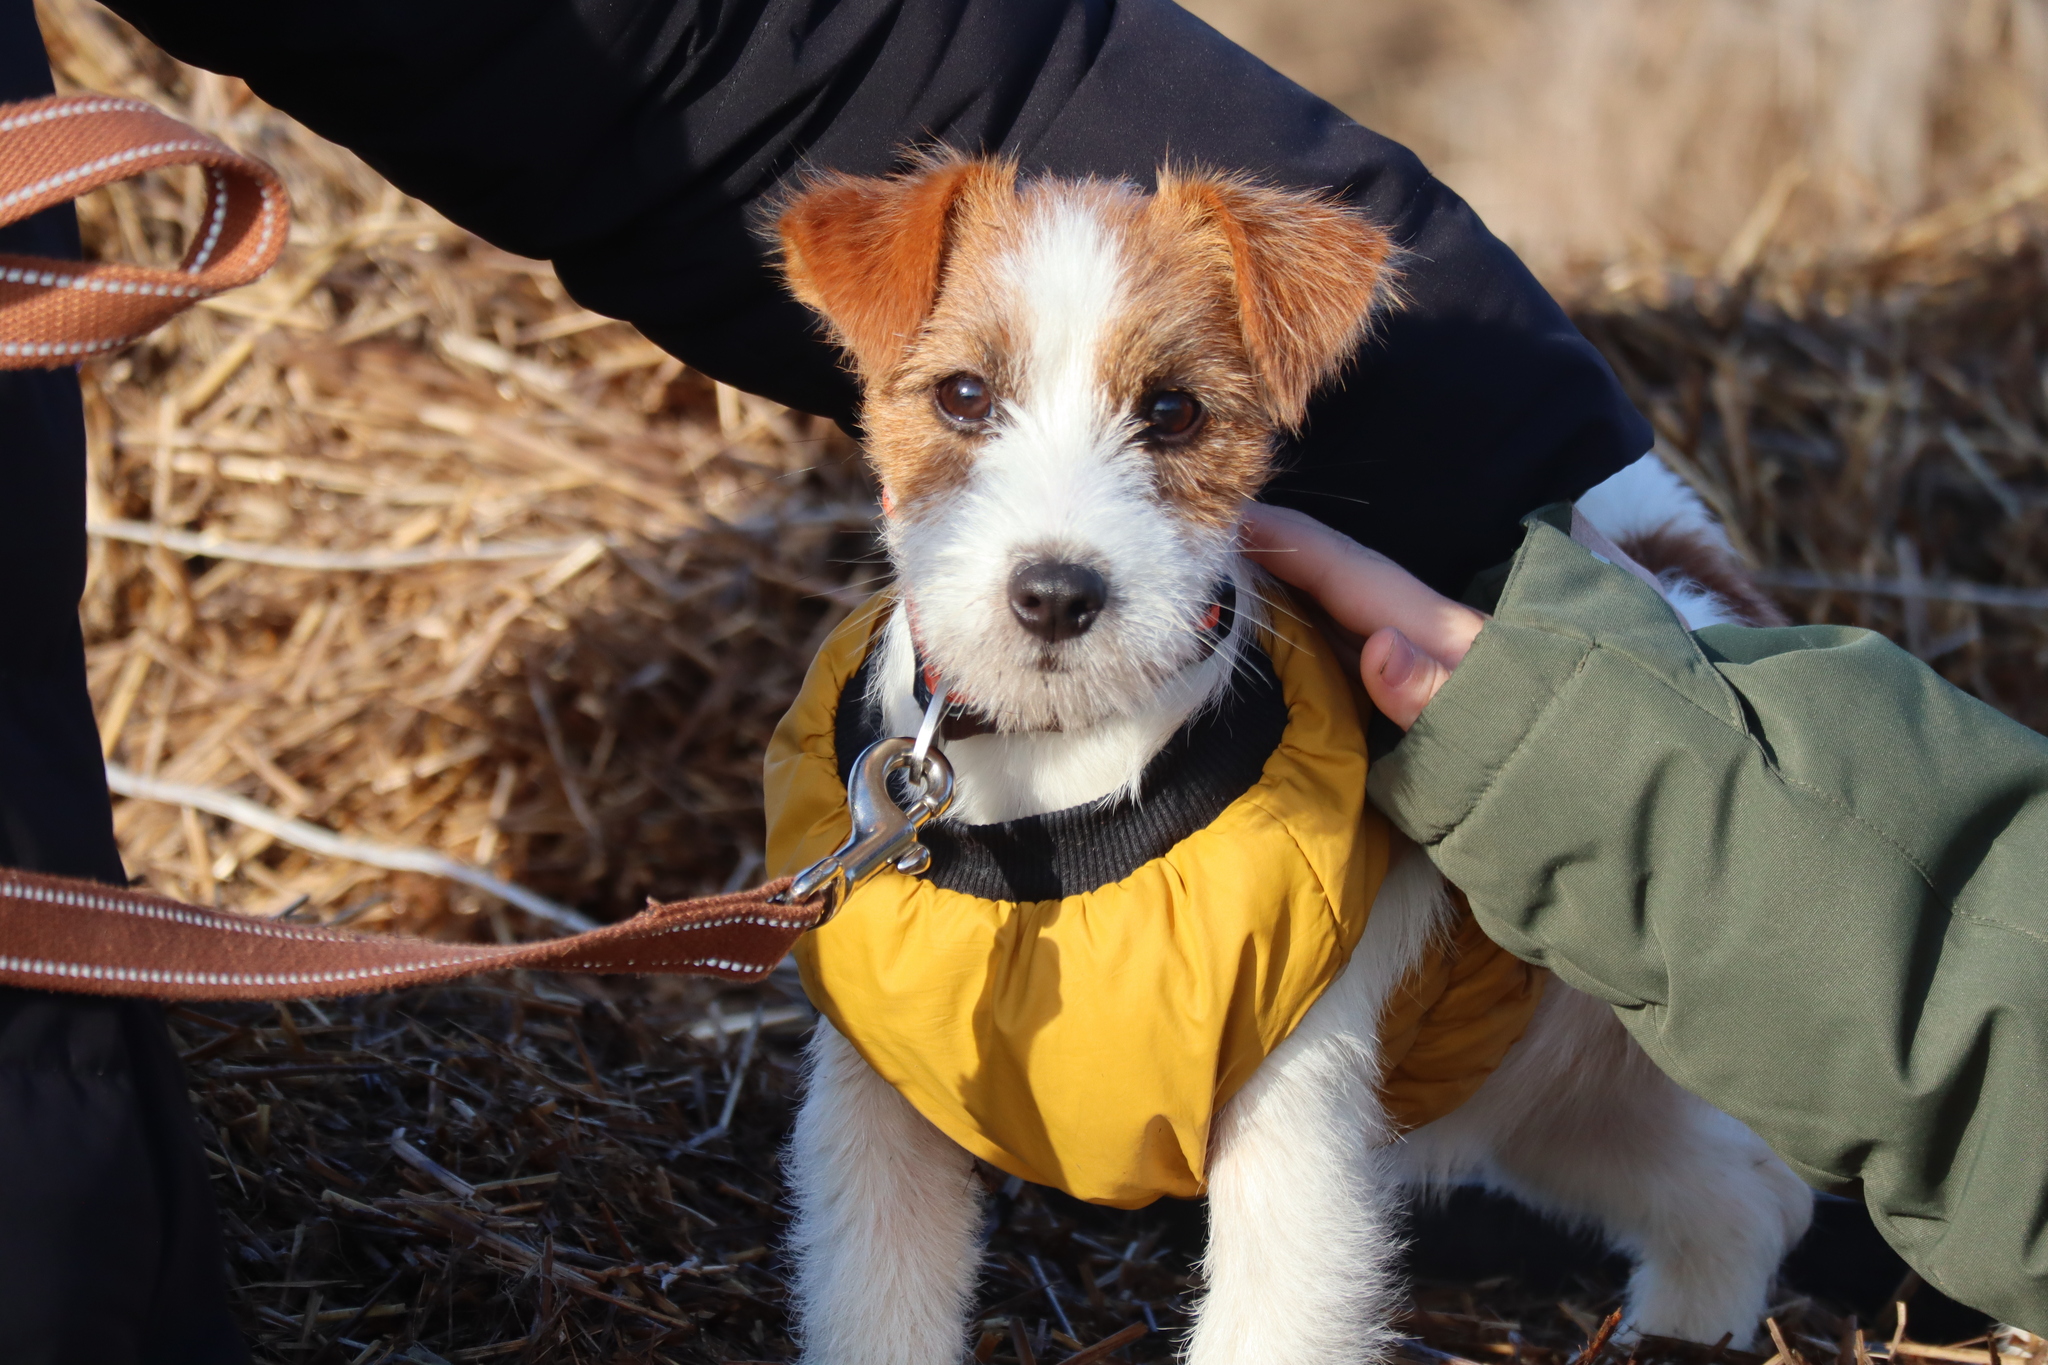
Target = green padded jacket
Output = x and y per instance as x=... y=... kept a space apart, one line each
x=1810 y=876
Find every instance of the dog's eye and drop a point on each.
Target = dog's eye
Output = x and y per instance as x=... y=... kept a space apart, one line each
x=963 y=397
x=1170 y=414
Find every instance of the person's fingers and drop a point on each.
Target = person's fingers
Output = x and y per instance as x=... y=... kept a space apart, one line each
x=1415 y=635
x=1364 y=590
x=1270 y=528
x=1356 y=585
x=1398 y=677
x=1296 y=548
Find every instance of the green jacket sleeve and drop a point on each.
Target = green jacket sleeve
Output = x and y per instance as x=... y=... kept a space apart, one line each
x=1810 y=876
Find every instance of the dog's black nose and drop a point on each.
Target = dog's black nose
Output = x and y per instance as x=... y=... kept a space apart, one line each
x=1056 y=601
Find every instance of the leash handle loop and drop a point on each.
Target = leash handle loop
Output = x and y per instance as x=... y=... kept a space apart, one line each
x=66 y=934
x=55 y=313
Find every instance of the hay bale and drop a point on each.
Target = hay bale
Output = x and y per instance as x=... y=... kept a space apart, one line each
x=297 y=491
x=1592 y=131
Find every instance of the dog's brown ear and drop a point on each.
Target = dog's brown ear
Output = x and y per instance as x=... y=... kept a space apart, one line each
x=1309 y=270
x=866 y=252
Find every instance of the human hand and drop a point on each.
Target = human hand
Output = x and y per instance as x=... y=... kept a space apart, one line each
x=1414 y=636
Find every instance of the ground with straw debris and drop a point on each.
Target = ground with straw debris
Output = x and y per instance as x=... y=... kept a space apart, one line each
x=403 y=545
x=576 y=1170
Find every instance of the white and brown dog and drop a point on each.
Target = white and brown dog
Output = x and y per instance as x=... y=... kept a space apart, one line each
x=1073 y=389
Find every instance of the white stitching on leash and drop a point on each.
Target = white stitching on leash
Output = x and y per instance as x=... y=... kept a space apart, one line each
x=116 y=159
x=103 y=106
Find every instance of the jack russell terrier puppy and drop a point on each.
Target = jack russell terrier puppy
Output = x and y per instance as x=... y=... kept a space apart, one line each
x=1072 y=391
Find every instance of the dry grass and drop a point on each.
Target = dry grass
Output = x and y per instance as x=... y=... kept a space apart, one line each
x=1875 y=437
x=1591 y=132
x=536 y=1171
x=589 y=720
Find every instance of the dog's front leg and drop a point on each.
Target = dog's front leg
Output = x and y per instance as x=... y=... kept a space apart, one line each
x=1301 y=1207
x=887 y=1236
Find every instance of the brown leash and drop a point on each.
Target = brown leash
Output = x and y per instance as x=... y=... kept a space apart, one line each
x=65 y=934
x=51 y=150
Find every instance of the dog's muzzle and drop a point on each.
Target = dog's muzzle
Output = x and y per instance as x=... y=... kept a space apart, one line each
x=961 y=720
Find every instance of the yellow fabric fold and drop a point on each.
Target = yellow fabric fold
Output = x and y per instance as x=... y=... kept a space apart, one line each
x=1087 y=1043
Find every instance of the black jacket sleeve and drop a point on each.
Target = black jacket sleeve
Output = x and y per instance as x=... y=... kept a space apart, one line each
x=635 y=143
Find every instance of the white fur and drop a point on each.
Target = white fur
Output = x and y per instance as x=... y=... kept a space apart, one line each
x=1303 y=1194
x=887 y=1237
x=1645 y=497
x=1695 y=605
x=1028 y=772
x=1305 y=1174
x=1060 y=475
x=1579 y=1124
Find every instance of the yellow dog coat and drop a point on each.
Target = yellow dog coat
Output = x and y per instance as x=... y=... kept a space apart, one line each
x=1087 y=1040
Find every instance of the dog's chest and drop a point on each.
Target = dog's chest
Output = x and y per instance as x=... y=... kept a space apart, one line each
x=1072 y=996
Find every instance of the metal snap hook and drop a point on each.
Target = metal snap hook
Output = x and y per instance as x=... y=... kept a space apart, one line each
x=884 y=833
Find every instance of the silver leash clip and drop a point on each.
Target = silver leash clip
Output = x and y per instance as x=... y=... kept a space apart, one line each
x=884 y=833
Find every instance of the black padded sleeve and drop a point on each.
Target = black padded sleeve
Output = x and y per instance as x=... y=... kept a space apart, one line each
x=634 y=143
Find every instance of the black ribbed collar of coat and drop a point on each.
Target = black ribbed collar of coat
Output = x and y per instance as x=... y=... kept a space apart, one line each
x=1210 y=762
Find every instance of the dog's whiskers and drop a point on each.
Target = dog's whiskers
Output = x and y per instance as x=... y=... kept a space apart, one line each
x=1279 y=607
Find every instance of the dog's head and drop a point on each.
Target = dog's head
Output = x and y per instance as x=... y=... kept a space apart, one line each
x=1071 y=390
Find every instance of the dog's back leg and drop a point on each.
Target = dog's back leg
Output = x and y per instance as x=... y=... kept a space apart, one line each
x=1580 y=1124
x=887 y=1237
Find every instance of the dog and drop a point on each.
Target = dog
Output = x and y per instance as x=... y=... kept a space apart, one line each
x=1072 y=389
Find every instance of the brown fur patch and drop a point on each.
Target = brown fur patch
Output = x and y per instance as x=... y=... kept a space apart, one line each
x=866 y=253
x=1180 y=329
x=1308 y=271
x=916 y=453
x=1667 y=549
